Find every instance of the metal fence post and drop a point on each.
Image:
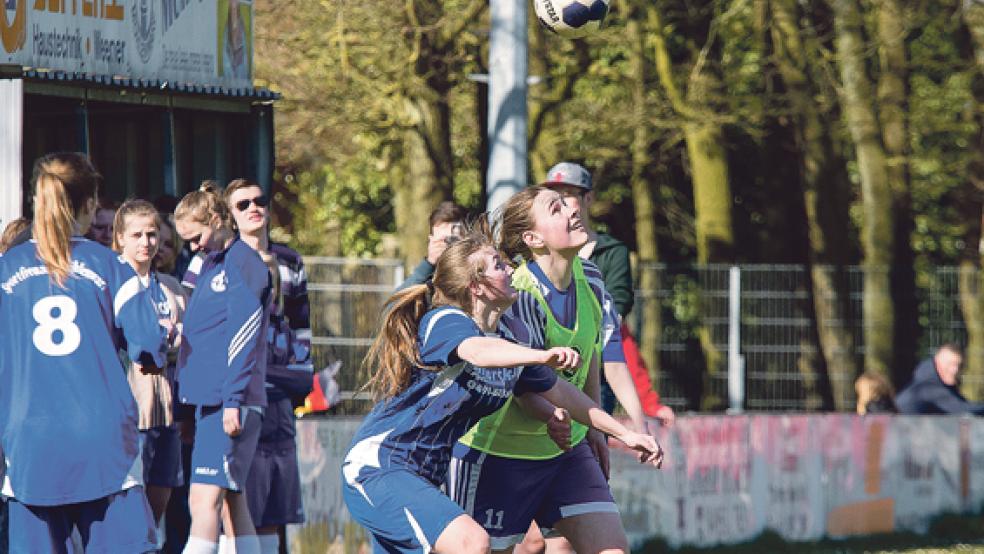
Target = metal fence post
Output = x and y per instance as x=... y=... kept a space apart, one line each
x=736 y=367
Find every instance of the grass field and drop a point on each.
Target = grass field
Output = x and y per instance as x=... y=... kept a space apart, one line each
x=947 y=534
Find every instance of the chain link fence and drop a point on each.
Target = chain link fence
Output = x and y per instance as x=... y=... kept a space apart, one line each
x=779 y=340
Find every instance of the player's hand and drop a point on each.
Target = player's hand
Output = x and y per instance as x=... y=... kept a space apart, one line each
x=436 y=245
x=599 y=447
x=562 y=357
x=666 y=416
x=230 y=422
x=559 y=428
x=650 y=452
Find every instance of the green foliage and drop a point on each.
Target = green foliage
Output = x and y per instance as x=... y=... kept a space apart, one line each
x=341 y=208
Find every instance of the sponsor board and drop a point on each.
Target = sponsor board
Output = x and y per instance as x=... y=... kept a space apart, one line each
x=726 y=479
x=189 y=41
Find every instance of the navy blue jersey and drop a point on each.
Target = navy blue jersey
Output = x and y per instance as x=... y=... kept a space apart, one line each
x=68 y=421
x=416 y=430
x=526 y=316
x=290 y=372
x=222 y=359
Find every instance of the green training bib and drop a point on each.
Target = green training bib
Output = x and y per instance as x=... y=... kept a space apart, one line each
x=509 y=432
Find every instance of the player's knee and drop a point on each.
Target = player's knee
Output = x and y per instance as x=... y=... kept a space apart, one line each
x=204 y=500
x=466 y=537
x=477 y=542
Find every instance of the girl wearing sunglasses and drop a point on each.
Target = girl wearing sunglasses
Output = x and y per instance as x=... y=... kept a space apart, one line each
x=274 y=484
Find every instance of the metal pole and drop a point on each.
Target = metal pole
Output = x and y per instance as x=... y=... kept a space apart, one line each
x=507 y=101
x=736 y=367
x=12 y=129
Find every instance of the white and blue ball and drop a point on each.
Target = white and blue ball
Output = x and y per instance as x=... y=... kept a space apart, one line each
x=571 y=18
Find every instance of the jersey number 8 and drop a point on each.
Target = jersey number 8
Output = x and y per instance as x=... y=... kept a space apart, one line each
x=51 y=322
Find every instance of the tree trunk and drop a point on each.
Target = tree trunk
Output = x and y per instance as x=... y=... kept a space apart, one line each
x=825 y=199
x=712 y=192
x=709 y=177
x=546 y=138
x=428 y=158
x=971 y=280
x=643 y=198
x=878 y=227
x=893 y=110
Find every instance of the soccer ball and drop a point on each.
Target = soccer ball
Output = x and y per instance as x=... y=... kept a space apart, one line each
x=571 y=18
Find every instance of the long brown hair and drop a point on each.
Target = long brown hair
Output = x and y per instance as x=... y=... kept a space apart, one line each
x=516 y=219
x=11 y=232
x=128 y=209
x=64 y=182
x=394 y=354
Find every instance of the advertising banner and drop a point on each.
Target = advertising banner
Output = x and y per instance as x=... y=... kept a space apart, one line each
x=726 y=479
x=208 y=42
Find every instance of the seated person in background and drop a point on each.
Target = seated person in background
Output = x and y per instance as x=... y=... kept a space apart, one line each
x=875 y=394
x=446 y=221
x=933 y=389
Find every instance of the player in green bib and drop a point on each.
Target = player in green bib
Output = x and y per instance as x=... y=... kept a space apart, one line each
x=507 y=471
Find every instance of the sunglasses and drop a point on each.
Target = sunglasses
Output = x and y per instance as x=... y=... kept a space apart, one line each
x=261 y=201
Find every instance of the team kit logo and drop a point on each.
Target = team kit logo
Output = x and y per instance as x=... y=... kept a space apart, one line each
x=13 y=25
x=219 y=282
x=144 y=21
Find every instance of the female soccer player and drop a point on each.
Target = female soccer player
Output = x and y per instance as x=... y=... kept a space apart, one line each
x=562 y=302
x=273 y=488
x=68 y=421
x=221 y=368
x=440 y=365
x=136 y=229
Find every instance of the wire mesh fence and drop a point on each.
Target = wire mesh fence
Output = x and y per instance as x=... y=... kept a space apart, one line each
x=790 y=361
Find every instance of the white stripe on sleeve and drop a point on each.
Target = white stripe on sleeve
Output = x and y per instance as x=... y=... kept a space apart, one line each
x=245 y=334
x=126 y=292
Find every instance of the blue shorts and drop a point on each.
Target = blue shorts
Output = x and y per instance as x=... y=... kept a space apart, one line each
x=403 y=512
x=273 y=488
x=505 y=494
x=120 y=522
x=162 y=457
x=221 y=460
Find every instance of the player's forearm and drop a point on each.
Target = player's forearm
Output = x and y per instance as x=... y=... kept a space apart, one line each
x=583 y=409
x=535 y=406
x=494 y=352
x=620 y=380
x=592 y=385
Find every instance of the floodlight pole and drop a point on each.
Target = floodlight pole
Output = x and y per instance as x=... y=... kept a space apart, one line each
x=507 y=101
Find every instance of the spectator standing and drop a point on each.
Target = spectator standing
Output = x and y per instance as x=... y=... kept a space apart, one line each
x=934 y=386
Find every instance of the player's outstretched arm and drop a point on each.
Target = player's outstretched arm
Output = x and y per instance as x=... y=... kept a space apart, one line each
x=496 y=352
x=584 y=410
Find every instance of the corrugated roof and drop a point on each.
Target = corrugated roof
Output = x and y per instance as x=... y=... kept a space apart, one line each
x=157 y=85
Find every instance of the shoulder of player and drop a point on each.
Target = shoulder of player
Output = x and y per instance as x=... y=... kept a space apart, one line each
x=243 y=259
x=442 y=317
x=286 y=255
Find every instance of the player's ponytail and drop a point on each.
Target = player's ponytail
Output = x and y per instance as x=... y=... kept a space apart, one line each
x=394 y=354
x=202 y=205
x=65 y=185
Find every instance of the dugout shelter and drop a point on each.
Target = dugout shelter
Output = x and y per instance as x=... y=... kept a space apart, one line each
x=158 y=92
